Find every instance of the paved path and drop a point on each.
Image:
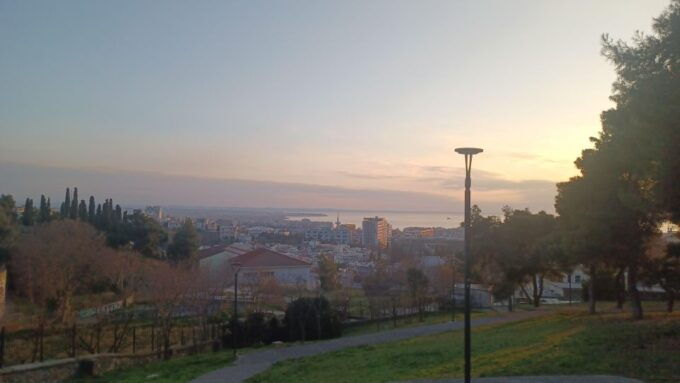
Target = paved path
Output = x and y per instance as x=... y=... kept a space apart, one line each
x=253 y=363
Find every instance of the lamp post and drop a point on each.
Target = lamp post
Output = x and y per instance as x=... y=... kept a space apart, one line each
x=468 y=153
x=237 y=268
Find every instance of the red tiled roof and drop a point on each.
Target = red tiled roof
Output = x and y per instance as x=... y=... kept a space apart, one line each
x=211 y=251
x=267 y=258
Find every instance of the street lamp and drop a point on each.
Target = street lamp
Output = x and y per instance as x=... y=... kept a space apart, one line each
x=237 y=268
x=468 y=153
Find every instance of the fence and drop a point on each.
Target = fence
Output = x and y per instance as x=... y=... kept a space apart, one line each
x=44 y=343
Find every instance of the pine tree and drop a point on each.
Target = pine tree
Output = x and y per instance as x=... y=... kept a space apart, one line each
x=74 y=204
x=82 y=211
x=185 y=243
x=66 y=206
x=92 y=211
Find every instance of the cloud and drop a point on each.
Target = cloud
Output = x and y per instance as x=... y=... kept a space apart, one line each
x=140 y=188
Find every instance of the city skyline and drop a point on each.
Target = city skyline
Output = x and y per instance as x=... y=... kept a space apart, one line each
x=304 y=105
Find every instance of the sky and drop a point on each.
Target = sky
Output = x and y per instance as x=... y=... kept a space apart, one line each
x=308 y=104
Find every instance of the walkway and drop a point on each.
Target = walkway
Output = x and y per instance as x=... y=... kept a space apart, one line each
x=253 y=363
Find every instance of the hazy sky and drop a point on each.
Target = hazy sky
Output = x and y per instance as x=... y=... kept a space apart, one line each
x=323 y=103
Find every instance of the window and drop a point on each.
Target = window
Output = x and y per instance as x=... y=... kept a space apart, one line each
x=577 y=278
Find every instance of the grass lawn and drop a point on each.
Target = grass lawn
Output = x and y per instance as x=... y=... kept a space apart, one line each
x=564 y=342
x=430 y=318
x=178 y=370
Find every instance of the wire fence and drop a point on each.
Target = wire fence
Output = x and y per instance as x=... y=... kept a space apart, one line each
x=56 y=342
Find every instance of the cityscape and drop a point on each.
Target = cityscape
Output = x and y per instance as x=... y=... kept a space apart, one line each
x=340 y=191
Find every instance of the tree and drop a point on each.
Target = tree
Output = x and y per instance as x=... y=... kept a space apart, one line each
x=82 y=211
x=54 y=262
x=644 y=121
x=663 y=268
x=328 y=274
x=185 y=243
x=92 y=211
x=303 y=316
x=7 y=235
x=44 y=214
x=376 y=286
x=417 y=285
x=73 y=211
x=28 y=217
x=66 y=205
x=170 y=290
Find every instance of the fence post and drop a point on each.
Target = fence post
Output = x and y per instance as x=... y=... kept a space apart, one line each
x=42 y=335
x=99 y=336
x=2 y=346
x=134 y=339
x=73 y=341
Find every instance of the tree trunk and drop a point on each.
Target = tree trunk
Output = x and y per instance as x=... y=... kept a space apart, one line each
x=633 y=293
x=534 y=283
x=591 y=290
x=620 y=289
x=510 y=303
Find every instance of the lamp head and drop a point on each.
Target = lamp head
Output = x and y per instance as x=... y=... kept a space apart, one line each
x=470 y=151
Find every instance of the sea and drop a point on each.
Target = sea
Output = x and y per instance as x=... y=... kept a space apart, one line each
x=398 y=219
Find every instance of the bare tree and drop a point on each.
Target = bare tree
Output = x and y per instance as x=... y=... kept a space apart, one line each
x=55 y=261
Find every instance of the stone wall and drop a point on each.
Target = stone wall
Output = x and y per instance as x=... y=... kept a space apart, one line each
x=54 y=371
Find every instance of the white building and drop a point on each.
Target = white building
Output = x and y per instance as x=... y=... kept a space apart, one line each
x=263 y=262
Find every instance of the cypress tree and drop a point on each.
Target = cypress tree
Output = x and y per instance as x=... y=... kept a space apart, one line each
x=118 y=217
x=49 y=209
x=43 y=212
x=82 y=211
x=92 y=211
x=74 y=204
x=66 y=206
x=98 y=217
x=27 y=217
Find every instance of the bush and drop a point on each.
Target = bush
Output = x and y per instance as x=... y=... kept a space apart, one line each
x=255 y=328
x=310 y=319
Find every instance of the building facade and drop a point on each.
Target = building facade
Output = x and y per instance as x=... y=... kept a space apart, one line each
x=376 y=233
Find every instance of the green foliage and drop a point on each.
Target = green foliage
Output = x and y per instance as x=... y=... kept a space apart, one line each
x=312 y=318
x=82 y=211
x=524 y=247
x=185 y=242
x=7 y=226
x=328 y=274
x=140 y=232
x=66 y=205
x=73 y=210
x=28 y=217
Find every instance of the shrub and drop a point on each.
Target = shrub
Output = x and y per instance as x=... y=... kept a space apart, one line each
x=310 y=319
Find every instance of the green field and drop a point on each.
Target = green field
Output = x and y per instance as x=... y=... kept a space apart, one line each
x=567 y=342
